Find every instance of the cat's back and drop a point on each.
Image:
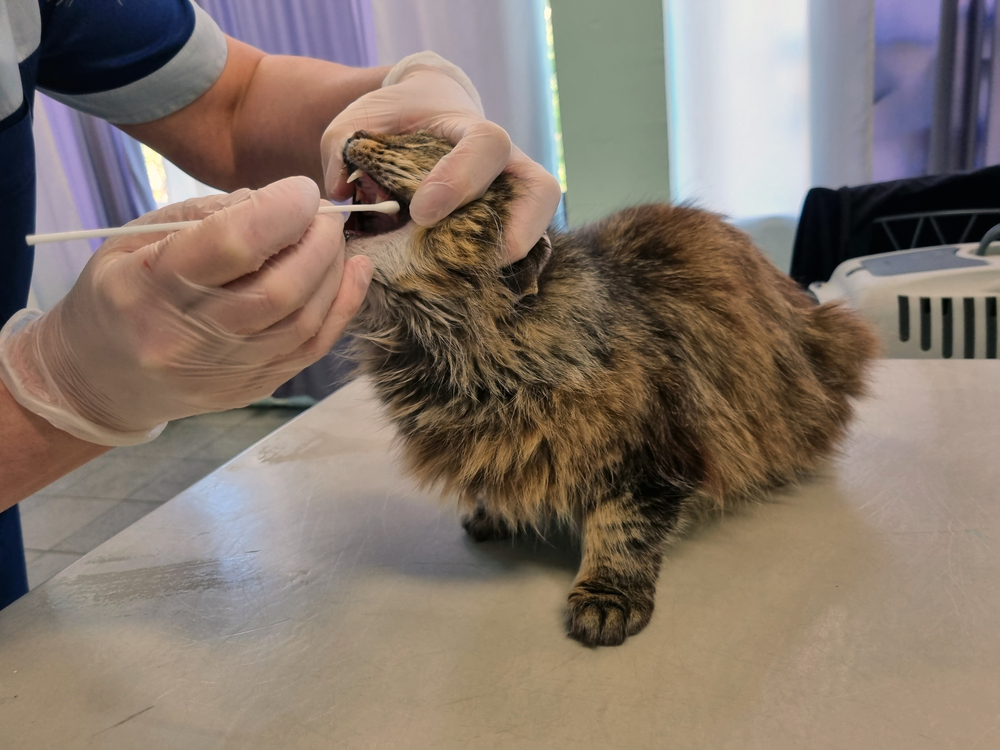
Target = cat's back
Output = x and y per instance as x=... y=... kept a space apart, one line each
x=766 y=375
x=684 y=253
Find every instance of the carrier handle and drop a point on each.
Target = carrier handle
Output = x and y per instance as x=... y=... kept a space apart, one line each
x=992 y=235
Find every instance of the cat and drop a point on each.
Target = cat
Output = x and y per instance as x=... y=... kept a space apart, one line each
x=623 y=379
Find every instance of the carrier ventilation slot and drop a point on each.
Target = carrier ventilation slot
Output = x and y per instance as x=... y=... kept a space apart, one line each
x=947 y=328
x=904 y=317
x=969 y=315
x=925 y=324
x=991 y=327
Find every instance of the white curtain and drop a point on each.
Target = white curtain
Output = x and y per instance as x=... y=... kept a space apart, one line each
x=500 y=45
x=841 y=91
x=767 y=99
x=58 y=264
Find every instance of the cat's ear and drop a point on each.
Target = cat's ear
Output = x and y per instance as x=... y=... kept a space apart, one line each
x=522 y=277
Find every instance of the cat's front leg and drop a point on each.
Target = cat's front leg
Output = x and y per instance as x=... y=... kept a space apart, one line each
x=483 y=526
x=614 y=593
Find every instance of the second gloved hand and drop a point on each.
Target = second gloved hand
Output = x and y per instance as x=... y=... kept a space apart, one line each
x=207 y=318
x=424 y=91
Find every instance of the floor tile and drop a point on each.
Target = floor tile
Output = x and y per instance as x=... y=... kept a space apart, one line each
x=47 y=565
x=47 y=525
x=60 y=486
x=176 y=478
x=84 y=509
x=179 y=439
x=33 y=501
x=112 y=477
x=104 y=527
x=30 y=555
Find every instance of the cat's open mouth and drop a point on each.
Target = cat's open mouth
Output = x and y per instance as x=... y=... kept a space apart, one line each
x=367 y=224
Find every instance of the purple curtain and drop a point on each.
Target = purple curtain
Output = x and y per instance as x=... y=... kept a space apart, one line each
x=104 y=166
x=340 y=31
x=937 y=87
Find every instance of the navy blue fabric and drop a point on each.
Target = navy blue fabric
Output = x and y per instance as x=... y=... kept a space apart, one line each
x=13 y=571
x=86 y=46
x=17 y=220
x=97 y=45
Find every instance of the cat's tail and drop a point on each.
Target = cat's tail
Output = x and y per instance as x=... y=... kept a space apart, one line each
x=841 y=347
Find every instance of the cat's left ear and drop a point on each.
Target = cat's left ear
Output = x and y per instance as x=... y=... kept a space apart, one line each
x=522 y=277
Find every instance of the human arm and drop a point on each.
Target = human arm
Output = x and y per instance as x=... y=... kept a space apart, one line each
x=266 y=115
x=164 y=326
x=262 y=119
x=35 y=453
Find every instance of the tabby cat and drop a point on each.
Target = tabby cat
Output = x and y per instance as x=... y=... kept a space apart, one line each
x=623 y=379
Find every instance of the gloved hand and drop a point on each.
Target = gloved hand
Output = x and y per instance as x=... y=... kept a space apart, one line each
x=212 y=317
x=424 y=91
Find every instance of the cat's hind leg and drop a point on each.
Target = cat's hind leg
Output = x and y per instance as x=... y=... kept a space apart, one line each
x=614 y=593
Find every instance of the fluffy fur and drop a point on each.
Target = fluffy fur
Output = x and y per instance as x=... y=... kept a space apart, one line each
x=639 y=373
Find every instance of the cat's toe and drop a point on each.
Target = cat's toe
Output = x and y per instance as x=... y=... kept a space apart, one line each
x=482 y=527
x=604 y=615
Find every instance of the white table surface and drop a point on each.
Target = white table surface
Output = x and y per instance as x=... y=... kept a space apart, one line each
x=305 y=595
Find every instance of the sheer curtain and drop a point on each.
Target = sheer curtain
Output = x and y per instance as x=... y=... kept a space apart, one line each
x=90 y=174
x=60 y=208
x=937 y=78
x=768 y=98
x=500 y=44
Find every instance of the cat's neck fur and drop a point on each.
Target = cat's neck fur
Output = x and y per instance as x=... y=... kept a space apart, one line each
x=476 y=338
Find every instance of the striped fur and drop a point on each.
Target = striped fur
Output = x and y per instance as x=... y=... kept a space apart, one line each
x=652 y=369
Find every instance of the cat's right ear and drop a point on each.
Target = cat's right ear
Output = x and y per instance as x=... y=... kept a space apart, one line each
x=522 y=277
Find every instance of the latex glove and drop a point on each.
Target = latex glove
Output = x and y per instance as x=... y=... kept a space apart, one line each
x=424 y=91
x=207 y=318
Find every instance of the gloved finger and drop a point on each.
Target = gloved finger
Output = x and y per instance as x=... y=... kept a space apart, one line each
x=538 y=196
x=286 y=281
x=237 y=239
x=194 y=208
x=482 y=149
x=288 y=335
x=282 y=343
x=357 y=276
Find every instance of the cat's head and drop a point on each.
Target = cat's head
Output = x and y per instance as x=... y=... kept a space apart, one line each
x=460 y=258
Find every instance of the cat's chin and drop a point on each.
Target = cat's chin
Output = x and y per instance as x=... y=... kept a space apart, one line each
x=387 y=251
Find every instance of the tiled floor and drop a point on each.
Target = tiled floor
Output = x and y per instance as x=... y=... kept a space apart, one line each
x=82 y=510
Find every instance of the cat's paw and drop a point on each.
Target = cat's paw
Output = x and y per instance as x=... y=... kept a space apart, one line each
x=600 y=614
x=483 y=527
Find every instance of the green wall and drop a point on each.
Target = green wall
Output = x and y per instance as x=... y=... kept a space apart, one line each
x=613 y=104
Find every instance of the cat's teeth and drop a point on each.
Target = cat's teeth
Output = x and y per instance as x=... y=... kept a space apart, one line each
x=355 y=175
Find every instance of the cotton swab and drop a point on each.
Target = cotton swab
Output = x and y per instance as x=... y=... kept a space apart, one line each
x=385 y=207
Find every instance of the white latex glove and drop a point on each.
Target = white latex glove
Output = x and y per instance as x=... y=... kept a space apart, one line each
x=213 y=317
x=424 y=91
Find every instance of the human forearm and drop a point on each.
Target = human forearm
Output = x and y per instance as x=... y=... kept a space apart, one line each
x=261 y=121
x=289 y=103
x=34 y=453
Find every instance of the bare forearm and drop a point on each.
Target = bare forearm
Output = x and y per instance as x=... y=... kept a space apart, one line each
x=33 y=453
x=288 y=105
x=261 y=121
